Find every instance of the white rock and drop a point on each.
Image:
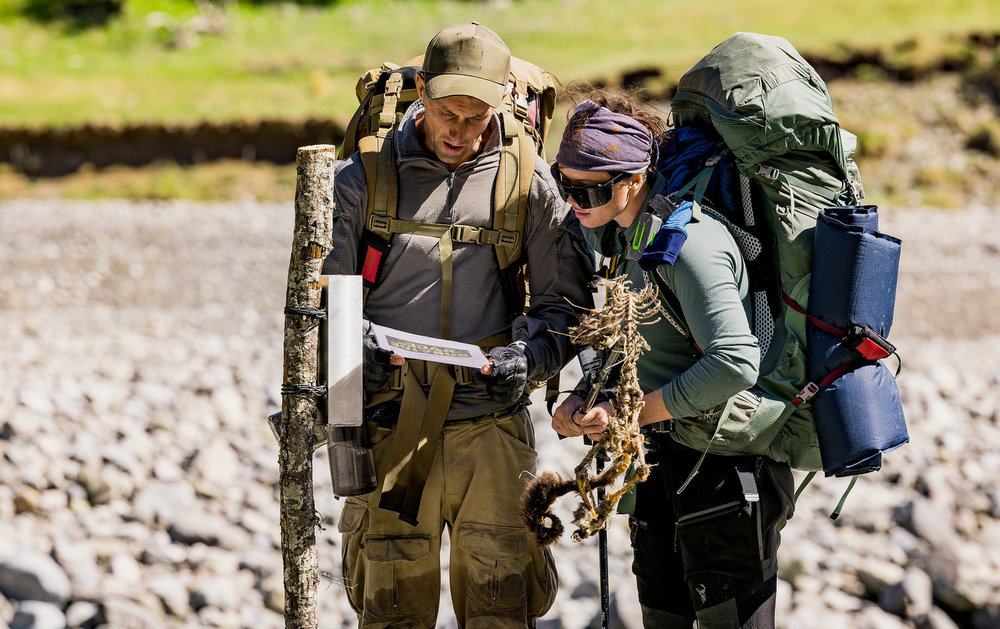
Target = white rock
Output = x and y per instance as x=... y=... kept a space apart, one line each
x=31 y=614
x=33 y=576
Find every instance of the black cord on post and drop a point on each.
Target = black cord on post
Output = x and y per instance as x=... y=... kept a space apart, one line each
x=303 y=389
x=306 y=311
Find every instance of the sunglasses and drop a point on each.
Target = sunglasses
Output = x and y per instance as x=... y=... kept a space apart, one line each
x=587 y=196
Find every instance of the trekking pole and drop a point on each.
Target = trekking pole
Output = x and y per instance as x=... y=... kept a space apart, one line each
x=602 y=539
x=602 y=546
x=598 y=376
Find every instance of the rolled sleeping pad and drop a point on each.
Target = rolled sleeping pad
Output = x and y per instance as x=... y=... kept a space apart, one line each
x=854 y=274
x=865 y=216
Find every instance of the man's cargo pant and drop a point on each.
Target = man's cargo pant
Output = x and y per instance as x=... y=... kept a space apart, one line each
x=499 y=577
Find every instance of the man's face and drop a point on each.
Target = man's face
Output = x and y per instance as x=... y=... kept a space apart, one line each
x=453 y=126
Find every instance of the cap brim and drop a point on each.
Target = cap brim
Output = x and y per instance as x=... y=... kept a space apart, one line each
x=442 y=85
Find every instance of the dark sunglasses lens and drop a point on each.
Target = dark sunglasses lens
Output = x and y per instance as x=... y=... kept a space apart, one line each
x=590 y=196
x=585 y=196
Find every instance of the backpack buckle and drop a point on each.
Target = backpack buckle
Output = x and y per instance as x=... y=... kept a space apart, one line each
x=520 y=103
x=507 y=239
x=869 y=343
x=394 y=85
x=379 y=223
x=467 y=234
x=807 y=392
x=768 y=172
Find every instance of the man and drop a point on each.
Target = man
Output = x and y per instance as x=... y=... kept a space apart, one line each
x=453 y=448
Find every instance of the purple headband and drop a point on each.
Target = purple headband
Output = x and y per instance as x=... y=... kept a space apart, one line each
x=598 y=139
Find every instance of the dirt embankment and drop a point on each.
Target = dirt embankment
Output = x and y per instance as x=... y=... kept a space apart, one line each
x=56 y=152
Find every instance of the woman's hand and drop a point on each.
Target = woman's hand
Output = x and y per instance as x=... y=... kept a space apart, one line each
x=570 y=421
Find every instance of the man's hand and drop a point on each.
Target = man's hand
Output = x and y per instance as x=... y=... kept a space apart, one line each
x=506 y=375
x=377 y=364
x=570 y=420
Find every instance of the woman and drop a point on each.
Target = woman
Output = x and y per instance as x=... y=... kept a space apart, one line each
x=713 y=534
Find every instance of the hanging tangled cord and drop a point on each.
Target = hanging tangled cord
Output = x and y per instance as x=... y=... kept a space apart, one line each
x=304 y=389
x=614 y=325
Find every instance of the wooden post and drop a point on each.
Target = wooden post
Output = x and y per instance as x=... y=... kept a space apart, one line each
x=299 y=410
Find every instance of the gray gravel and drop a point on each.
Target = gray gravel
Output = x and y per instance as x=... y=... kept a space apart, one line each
x=142 y=352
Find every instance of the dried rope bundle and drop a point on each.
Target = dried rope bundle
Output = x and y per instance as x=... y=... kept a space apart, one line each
x=614 y=327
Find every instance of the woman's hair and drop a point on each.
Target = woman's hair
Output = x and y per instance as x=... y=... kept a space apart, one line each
x=593 y=140
x=621 y=101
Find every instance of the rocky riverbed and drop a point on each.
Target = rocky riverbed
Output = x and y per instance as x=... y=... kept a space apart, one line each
x=142 y=352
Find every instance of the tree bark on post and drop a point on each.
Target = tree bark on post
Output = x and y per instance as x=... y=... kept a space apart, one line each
x=311 y=243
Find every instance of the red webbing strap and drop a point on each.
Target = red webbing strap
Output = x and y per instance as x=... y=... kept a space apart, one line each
x=813 y=388
x=819 y=323
x=864 y=340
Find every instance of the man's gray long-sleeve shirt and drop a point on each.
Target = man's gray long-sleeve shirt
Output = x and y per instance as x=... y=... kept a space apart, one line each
x=408 y=296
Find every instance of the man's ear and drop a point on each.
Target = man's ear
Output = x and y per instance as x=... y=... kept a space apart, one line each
x=419 y=78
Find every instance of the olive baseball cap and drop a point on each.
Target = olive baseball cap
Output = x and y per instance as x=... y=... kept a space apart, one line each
x=467 y=60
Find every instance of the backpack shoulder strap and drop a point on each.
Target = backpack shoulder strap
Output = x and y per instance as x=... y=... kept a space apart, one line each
x=512 y=189
x=379 y=161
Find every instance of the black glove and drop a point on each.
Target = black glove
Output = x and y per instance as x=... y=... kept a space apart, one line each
x=509 y=379
x=375 y=365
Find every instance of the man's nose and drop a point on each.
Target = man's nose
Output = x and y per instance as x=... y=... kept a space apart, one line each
x=456 y=130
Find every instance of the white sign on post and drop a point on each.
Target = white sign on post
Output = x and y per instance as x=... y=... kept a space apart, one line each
x=345 y=383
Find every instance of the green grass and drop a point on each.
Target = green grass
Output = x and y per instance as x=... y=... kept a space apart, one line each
x=298 y=62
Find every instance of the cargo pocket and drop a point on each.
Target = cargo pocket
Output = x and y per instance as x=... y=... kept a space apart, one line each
x=351 y=561
x=777 y=505
x=721 y=549
x=397 y=582
x=497 y=564
x=352 y=515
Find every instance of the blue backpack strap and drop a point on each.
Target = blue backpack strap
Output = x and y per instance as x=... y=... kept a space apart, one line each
x=664 y=246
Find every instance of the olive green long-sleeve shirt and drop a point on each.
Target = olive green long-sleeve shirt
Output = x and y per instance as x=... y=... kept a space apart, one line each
x=710 y=282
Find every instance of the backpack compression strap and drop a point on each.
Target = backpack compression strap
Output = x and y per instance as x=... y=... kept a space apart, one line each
x=866 y=342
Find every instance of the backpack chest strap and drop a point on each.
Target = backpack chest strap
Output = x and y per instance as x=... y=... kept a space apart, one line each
x=468 y=234
x=447 y=235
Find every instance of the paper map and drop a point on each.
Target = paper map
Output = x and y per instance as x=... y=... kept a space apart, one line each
x=429 y=348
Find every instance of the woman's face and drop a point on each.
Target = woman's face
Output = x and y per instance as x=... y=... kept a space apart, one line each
x=613 y=210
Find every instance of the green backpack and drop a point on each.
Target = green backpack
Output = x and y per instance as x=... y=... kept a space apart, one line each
x=778 y=159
